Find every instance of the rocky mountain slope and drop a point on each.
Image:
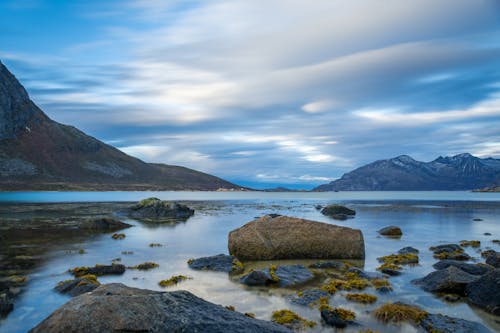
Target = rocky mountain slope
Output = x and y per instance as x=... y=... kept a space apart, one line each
x=460 y=172
x=37 y=153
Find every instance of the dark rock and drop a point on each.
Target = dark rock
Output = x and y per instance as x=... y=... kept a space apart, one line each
x=77 y=286
x=451 y=298
x=449 y=248
x=334 y=210
x=444 y=324
x=487 y=233
x=485 y=292
x=486 y=253
x=391 y=231
x=99 y=270
x=6 y=304
x=384 y=290
x=364 y=274
x=218 y=263
x=104 y=224
x=477 y=219
x=408 y=249
x=474 y=269
x=391 y=272
x=328 y=264
x=287 y=237
x=154 y=208
x=274 y=215
x=118 y=308
x=448 y=280
x=257 y=278
x=308 y=297
x=493 y=259
x=318 y=207
x=332 y=319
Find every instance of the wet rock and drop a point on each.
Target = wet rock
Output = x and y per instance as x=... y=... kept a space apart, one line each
x=449 y=248
x=257 y=278
x=451 y=298
x=104 y=224
x=364 y=274
x=444 y=324
x=285 y=237
x=390 y=271
x=291 y=275
x=99 y=270
x=408 y=249
x=474 y=269
x=384 y=290
x=331 y=318
x=154 y=208
x=328 y=264
x=392 y=231
x=485 y=292
x=338 y=212
x=318 y=207
x=6 y=304
x=487 y=233
x=218 y=263
x=448 y=280
x=77 y=286
x=118 y=308
x=308 y=297
x=493 y=259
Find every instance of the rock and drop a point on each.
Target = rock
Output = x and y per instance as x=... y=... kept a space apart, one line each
x=451 y=298
x=337 y=209
x=408 y=249
x=99 y=270
x=444 y=324
x=307 y=297
x=485 y=292
x=282 y=276
x=487 y=233
x=218 y=263
x=384 y=290
x=391 y=231
x=473 y=269
x=448 y=280
x=493 y=259
x=118 y=308
x=364 y=274
x=449 y=248
x=477 y=219
x=77 y=286
x=333 y=319
x=154 y=208
x=328 y=264
x=285 y=237
x=391 y=272
x=318 y=207
x=6 y=304
x=104 y=224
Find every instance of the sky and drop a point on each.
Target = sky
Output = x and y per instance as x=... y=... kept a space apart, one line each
x=265 y=93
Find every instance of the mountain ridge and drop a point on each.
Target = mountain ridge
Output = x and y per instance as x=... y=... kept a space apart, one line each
x=38 y=153
x=460 y=172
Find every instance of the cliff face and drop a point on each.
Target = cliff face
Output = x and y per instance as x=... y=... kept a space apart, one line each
x=38 y=153
x=460 y=172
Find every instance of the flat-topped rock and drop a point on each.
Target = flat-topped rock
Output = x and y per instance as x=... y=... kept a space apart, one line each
x=217 y=263
x=118 y=308
x=474 y=269
x=338 y=212
x=282 y=276
x=154 y=208
x=284 y=237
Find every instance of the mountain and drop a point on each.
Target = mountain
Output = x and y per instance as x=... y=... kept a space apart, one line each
x=403 y=173
x=37 y=153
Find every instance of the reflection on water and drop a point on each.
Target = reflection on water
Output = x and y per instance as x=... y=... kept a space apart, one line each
x=206 y=232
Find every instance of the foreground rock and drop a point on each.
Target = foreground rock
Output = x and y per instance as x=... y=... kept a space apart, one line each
x=392 y=231
x=474 y=269
x=493 y=259
x=448 y=280
x=104 y=224
x=118 y=308
x=485 y=292
x=444 y=324
x=338 y=212
x=284 y=237
x=283 y=276
x=154 y=208
x=218 y=263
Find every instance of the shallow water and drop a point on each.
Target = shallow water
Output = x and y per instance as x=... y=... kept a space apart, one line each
x=438 y=220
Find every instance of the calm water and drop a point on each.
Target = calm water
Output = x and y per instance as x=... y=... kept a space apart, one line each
x=426 y=220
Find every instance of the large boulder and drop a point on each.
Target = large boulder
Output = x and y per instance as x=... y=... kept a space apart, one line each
x=444 y=324
x=474 y=269
x=485 y=292
x=338 y=212
x=448 y=280
x=154 y=208
x=118 y=308
x=284 y=237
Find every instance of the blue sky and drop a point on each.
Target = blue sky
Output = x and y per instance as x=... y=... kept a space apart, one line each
x=265 y=93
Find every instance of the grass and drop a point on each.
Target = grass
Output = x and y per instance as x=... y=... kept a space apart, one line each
x=398 y=312
x=172 y=281
x=145 y=266
x=287 y=317
x=118 y=236
x=272 y=272
x=400 y=259
x=361 y=298
x=471 y=243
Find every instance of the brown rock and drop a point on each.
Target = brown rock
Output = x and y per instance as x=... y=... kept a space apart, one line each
x=284 y=237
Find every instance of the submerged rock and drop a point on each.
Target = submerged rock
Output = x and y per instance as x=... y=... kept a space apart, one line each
x=474 y=269
x=444 y=324
x=104 y=224
x=364 y=274
x=392 y=230
x=285 y=237
x=448 y=280
x=154 y=208
x=338 y=212
x=446 y=248
x=308 y=297
x=118 y=308
x=328 y=264
x=282 y=276
x=485 y=292
x=218 y=263
x=408 y=249
x=257 y=278
x=99 y=270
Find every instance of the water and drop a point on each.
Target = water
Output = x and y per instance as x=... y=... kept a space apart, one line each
x=427 y=218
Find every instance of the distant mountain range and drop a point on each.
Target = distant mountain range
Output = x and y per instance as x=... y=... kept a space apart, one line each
x=459 y=172
x=37 y=153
